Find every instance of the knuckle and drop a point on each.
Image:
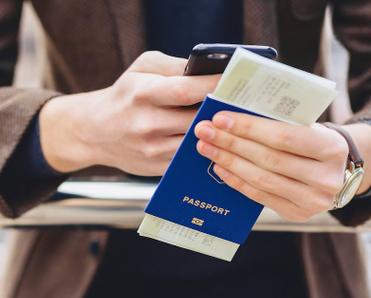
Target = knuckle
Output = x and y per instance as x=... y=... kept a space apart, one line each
x=338 y=151
x=148 y=56
x=245 y=125
x=150 y=152
x=272 y=160
x=341 y=151
x=334 y=184
x=256 y=194
x=327 y=201
x=144 y=128
x=235 y=183
x=284 y=139
x=227 y=160
x=230 y=142
x=145 y=59
x=180 y=93
x=140 y=96
x=322 y=203
x=326 y=179
x=262 y=180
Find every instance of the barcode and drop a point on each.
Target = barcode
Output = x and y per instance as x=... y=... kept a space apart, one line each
x=286 y=106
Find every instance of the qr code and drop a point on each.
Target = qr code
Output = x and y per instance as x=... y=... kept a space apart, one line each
x=286 y=106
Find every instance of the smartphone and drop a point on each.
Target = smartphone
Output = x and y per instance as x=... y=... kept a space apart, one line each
x=212 y=58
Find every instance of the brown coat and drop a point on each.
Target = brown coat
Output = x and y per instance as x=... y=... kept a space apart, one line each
x=89 y=44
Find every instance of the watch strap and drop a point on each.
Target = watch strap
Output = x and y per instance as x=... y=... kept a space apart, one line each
x=354 y=153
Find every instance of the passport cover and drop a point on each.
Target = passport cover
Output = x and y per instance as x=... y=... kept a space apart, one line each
x=192 y=195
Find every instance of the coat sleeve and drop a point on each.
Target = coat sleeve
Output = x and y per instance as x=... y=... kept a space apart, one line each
x=352 y=26
x=17 y=108
x=10 y=14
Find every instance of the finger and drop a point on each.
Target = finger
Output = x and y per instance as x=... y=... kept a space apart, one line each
x=163 y=167
x=158 y=63
x=156 y=123
x=298 y=193
x=158 y=154
x=283 y=207
x=180 y=90
x=160 y=150
x=169 y=146
x=172 y=121
x=181 y=120
x=300 y=168
x=156 y=169
x=314 y=142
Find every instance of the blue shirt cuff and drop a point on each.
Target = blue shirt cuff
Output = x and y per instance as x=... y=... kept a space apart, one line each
x=27 y=177
x=28 y=160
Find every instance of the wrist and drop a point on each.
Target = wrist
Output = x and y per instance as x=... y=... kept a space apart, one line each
x=359 y=133
x=60 y=120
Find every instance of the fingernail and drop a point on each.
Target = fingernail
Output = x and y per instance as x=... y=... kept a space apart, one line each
x=208 y=150
x=206 y=133
x=223 y=122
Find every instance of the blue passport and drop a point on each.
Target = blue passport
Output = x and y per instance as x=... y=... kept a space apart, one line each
x=192 y=207
x=191 y=202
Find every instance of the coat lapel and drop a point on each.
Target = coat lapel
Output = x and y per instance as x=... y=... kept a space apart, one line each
x=260 y=22
x=128 y=18
x=260 y=25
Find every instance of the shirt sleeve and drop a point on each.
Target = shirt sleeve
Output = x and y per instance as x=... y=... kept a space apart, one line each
x=27 y=170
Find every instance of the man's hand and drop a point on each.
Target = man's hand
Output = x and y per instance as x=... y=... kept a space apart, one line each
x=135 y=125
x=295 y=170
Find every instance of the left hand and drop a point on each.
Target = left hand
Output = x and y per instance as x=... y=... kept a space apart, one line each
x=295 y=170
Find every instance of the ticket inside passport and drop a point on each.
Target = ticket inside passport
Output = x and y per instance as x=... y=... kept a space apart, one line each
x=251 y=84
x=182 y=236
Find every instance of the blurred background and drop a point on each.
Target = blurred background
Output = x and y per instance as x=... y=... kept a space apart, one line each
x=30 y=66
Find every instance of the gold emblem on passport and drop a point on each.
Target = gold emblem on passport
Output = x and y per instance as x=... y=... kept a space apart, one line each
x=197 y=221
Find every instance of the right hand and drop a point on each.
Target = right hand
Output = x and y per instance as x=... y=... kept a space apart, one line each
x=135 y=125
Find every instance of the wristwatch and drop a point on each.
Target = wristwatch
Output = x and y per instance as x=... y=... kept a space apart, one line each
x=354 y=171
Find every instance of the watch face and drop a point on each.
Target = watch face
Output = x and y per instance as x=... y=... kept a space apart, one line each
x=351 y=187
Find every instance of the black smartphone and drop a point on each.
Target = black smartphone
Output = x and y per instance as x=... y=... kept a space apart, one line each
x=212 y=58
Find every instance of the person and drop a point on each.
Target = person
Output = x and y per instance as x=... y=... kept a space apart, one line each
x=115 y=103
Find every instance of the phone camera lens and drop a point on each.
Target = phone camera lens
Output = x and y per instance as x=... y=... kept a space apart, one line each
x=219 y=56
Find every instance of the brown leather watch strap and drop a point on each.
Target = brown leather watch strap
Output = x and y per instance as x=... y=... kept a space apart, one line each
x=354 y=154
